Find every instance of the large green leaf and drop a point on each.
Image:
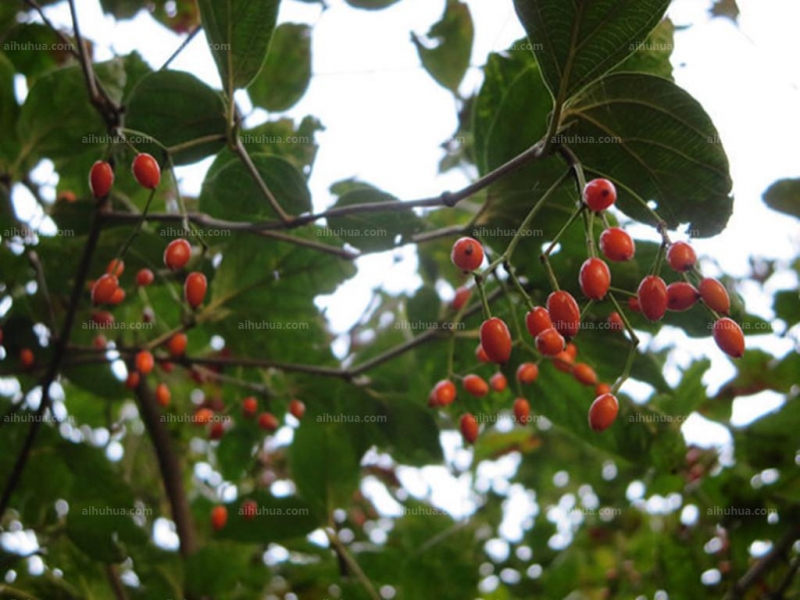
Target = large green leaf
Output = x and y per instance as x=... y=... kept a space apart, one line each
x=276 y=519
x=653 y=55
x=577 y=42
x=239 y=34
x=287 y=70
x=446 y=50
x=9 y=113
x=784 y=196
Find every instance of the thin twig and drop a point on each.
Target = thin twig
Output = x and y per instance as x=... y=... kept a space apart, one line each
x=251 y=168
x=759 y=570
x=183 y=45
x=341 y=551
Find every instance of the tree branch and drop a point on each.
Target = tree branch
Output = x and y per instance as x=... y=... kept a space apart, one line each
x=759 y=570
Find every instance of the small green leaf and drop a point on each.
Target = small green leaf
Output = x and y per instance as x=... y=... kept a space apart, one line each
x=784 y=196
x=287 y=70
x=446 y=50
x=9 y=113
x=653 y=55
x=276 y=519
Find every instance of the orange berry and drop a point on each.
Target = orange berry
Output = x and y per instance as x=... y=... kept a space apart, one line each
x=729 y=337
x=652 y=295
x=101 y=178
x=584 y=374
x=146 y=171
x=176 y=345
x=104 y=288
x=549 y=342
x=442 y=394
x=476 y=385
x=537 y=320
x=177 y=254
x=249 y=407
x=615 y=322
x=297 y=409
x=145 y=277
x=603 y=411
x=267 y=421
x=469 y=428
x=498 y=382
x=480 y=354
x=681 y=296
x=715 y=295
x=681 y=257
x=496 y=340
x=565 y=313
x=26 y=357
x=461 y=298
x=132 y=382
x=527 y=372
x=467 y=254
x=602 y=388
x=219 y=516
x=163 y=395
x=203 y=416
x=144 y=362
x=563 y=361
x=522 y=410
x=194 y=289
x=249 y=509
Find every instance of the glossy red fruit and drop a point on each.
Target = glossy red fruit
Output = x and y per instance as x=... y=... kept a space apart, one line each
x=203 y=416
x=616 y=245
x=572 y=350
x=615 y=322
x=594 y=278
x=480 y=354
x=564 y=313
x=249 y=407
x=527 y=372
x=104 y=288
x=117 y=297
x=177 y=254
x=100 y=342
x=67 y=196
x=652 y=295
x=681 y=296
x=163 y=394
x=563 y=361
x=144 y=362
x=101 y=178
x=26 y=357
x=537 y=320
x=102 y=318
x=249 y=509
x=603 y=411
x=116 y=267
x=146 y=171
x=498 y=382
x=549 y=342
x=729 y=337
x=469 y=428
x=633 y=304
x=176 y=345
x=461 y=298
x=194 y=289
x=681 y=257
x=219 y=516
x=297 y=409
x=475 y=385
x=584 y=374
x=714 y=295
x=522 y=410
x=145 y=277
x=132 y=382
x=496 y=340
x=267 y=421
x=602 y=388
x=467 y=254
x=443 y=393
x=216 y=431
x=599 y=194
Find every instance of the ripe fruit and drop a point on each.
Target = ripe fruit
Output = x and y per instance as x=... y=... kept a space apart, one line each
x=267 y=421
x=498 y=382
x=104 y=288
x=594 y=278
x=132 y=382
x=249 y=407
x=681 y=257
x=476 y=385
x=26 y=357
x=217 y=430
x=633 y=304
x=249 y=509
x=146 y=171
x=462 y=297
x=100 y=342
x=145 y=277
x=219 y=516
x=496 y=340
x=564 y=313
x=480 y=354
x=681 y=296
x=163 y=395
x=469 y=428
x=527 y=372
x=537 y=320
x=177 y=345
x=602 y=388
x=522 y=410
x=194 y=289
x=67 y=196
x=616 y=245
x=116 y=267
x=203 y=416
x=584 y=374
x=615 y=322
x=177 y=254
x=467 y=254
x=101 y=178
x=603 y=411
x=572 y=350
x=549 y=342
x=652 y=294
x=167 y=367
x=714 y=295
x=563 y=361
x=599 y=194
x=297 y=409
x=117 y=297
x=729 y=337
x=102 y=318
x=443 y=393
x=144 y=362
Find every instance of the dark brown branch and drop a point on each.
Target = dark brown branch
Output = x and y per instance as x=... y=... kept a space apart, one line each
x=759 y=570
x=112 y=574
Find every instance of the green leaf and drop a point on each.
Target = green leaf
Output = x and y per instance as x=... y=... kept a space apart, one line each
x=371 y=4
x=655 y=142
x=276 y=519
x=784 y=196
x=239 y=34
x=287 y=70
x=446 y=50
x=216 y=569
x=99 y=530
x=653 y=55
x=295 y=143
x=9 y=113
x=725 y=8
x=578 y=42
x=787 y=306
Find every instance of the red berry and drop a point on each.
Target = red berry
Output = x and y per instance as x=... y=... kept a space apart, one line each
x=469 y=428
x=681 y=257
x=104 y=288
x=498 y=382
x=584 y=374
x=572 y=350
x=194 y=289
x=163 y=395
x=219 y=516
x=522 y=410
x=26 y=357
x=267 y=421
x=117 y=297
x=633 y=304
x=653 y=297
x=462 y=297
x=537 y=320
x=615 y=322
x=564 y=313
x=729 y=337
x=100 y=342
x=177 y=254
x=616 y=245
x=216 y=431
x=602 y=388
x=203 y=416
x=249 y=509
x=480 y=354
x=101 y=178
x=681 y=296
x=476 y=385
x=297 y=409
x=68 y=196
x=549 y=342
x=603 y=411
x=167 y=367
x=563 y=361
x=145 y=277
x=599 y=194
x=249 y=407
x=594 y=278
x=146 y=171
x=132 y=382
x=467 y=254
x=442 y=394
x=496 y=340
x=176 y=345
x=715 y=295
x=144 y=362
x=527 y=372
x=116 y=267
x=102 y=318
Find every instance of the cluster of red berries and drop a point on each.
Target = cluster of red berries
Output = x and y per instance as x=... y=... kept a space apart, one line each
x=145 y=170
x=219 y=514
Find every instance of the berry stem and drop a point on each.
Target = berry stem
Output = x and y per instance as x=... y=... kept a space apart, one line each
x=659 y=261
x=617 y=290
x=518 y=285
x=588 y=220
x=575 y=214
x=487 y=314
x=634 y=344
